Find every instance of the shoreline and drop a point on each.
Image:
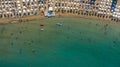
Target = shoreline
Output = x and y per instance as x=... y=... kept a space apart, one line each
x=39 y=16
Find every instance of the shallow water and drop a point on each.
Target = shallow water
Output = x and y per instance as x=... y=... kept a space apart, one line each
x=77 y=43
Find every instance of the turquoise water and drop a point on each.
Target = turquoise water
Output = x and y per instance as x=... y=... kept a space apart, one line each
x=77 y=43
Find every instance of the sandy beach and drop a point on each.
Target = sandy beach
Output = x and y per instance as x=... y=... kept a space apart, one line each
x=40 y=16
x=22 y=19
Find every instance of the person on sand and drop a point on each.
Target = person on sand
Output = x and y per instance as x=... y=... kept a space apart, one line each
x=42 y=13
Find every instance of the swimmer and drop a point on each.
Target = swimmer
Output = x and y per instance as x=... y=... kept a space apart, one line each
x=16 y=38
x=20 y=32
x=33 y=51
x=20 y=51
x=59 y=24
x=42 y=29
x=12 y=44
x=68 y=37
x=41 y=24
x=12 y=34
x=32 y=41
x=114 y=42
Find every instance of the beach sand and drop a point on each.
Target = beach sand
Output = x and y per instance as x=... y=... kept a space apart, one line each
x=79 y=42
x=40 y=16
x=22 y=19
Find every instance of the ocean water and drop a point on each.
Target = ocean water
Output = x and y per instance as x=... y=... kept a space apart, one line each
x=78 y=42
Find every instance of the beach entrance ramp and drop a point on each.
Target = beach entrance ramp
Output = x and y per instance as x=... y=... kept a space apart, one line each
x=49 y=13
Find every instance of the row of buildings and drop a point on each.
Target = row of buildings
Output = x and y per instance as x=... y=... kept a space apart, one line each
x=100 y=8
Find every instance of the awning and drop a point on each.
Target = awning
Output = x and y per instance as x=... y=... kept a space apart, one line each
x=50 y=9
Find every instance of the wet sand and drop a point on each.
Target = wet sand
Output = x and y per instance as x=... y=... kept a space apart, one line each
x=39 y=16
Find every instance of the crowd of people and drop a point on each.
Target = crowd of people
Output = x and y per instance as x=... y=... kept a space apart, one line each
x=107 y=9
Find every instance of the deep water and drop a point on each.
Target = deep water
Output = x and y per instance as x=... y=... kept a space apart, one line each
x=77 y=43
